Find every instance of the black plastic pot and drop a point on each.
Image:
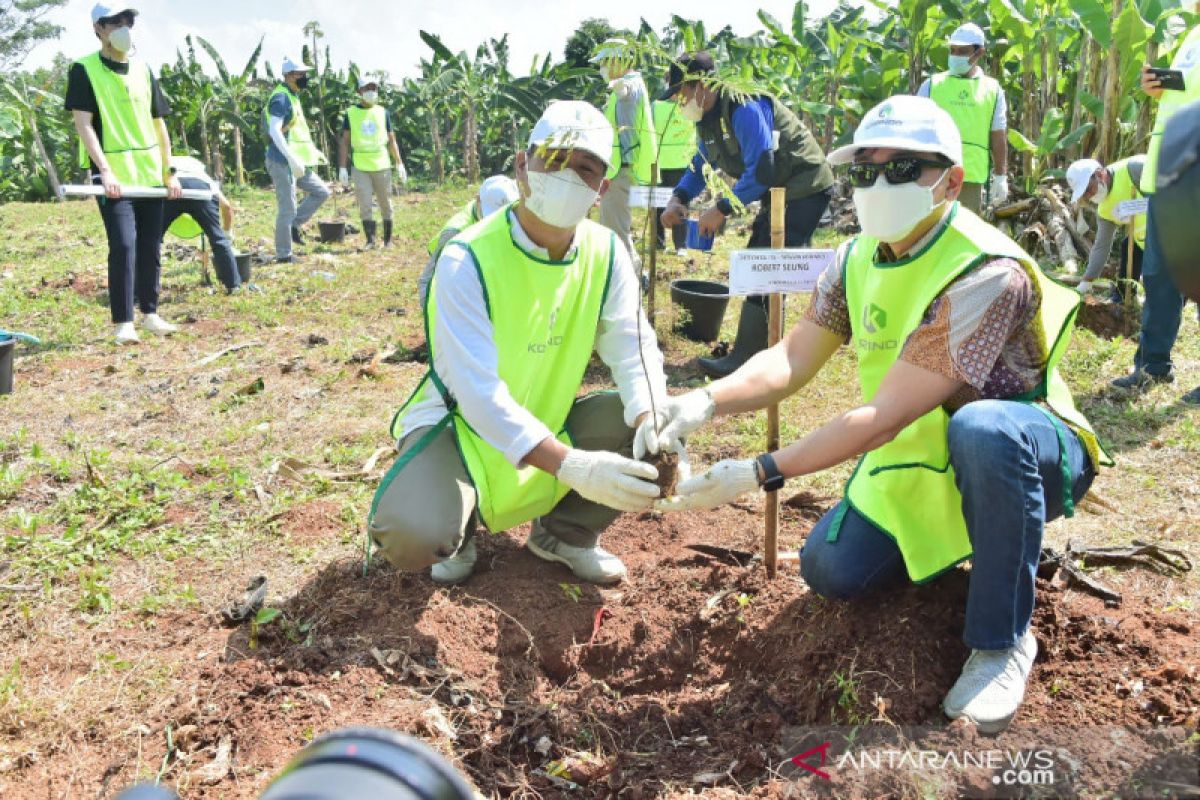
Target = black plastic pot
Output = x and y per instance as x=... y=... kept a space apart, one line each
x=8 y=347
x=243 y=266
x=332 y=231
x=706 y=302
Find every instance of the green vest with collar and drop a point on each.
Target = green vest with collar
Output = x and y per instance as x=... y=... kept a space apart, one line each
x=1123 y=188
x=972 y=104
x=676 y=136
x=299 y=138
x=369 y=138
x=544 y=317
x=645 y=140
x=127 y=135
x=464 y=218
x=1187 y=61
x=906 y=487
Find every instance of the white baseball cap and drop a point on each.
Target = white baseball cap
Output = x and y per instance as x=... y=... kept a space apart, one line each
x=574 y=124
x=104 y=10
x=292 y=66
x=611 y=48
x=968 y=34
x=495 y=193
x=905 y=122
x=366 y=80
x=1079 y=175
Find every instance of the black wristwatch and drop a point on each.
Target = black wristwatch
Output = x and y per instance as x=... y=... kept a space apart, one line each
x=772 y=480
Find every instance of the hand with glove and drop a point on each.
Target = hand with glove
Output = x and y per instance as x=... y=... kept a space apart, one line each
x=724 y=483
x=999 y=189
x=678 y=416
x=343 y=176
x=1084 y=287
x=297 y=168
x=609 y=479
x=401 y=173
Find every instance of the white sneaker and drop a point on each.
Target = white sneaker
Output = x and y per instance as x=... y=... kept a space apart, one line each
x=681 y=252
x=992 y=685
x=592 y=564
x=458 y=567
x=124 y=333
x=157 y=325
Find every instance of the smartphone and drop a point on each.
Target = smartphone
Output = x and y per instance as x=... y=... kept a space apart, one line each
x=1168 y=78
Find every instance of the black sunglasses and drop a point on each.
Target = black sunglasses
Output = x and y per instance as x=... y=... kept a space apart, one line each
x=905 y=169
x=124 y=18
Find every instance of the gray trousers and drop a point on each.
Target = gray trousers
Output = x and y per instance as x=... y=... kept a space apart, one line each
x=428 y=509
x=368 y=184
x=616 y=215
x=287 y=214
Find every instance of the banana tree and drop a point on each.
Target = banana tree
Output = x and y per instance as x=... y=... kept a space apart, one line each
x=27 y=104
x=1050 y=141
x=233 y=94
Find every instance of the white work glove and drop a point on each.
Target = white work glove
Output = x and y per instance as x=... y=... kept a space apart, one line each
x=610 y=479
x=1084 y=287
x=343 y=175
x=297 y=168
x=401 y=173
x=722 y=484
x=679 y=416
x=999 y=189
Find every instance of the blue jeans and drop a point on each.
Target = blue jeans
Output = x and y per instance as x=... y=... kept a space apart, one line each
x=287 y=213
x=1006 y=459
x=1162 y=310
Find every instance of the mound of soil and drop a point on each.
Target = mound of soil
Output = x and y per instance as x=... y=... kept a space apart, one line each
x=1108 y=320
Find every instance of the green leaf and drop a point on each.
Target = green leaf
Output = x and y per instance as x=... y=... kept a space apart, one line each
x=1052 y=128
x=1093 y=104
x=1019 y=142
x=439 y=49
x=798 y=14
x=1095 y=18
x=1075 y=136
x=1130 y=34
x=266 y=615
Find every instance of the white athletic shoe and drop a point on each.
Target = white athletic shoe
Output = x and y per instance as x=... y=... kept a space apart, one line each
x=157 y=325
x=681 y=252
x=458 y=567
x=992 y=685
x=592 y=564
x=124 y=333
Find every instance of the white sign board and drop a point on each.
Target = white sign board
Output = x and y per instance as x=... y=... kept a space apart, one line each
x=777 y=271
x=641 y=196
x=1127 y=209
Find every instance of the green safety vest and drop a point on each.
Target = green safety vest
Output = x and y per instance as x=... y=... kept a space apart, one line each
x=906 y=487
x=544 y=318
x=1123 y=188
x=299 y=138
x=185 y=227
x=972 y=104
x=800 y=164
x=464 y=218
x=369 y=138
x=128 y=136
x=1187 y=61
x=676 y=136
x=645 y=144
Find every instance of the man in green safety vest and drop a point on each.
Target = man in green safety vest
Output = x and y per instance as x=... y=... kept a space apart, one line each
x=291 y=156
x=634 y=144
x=978 y=106
x=1106 y=188
x=969 y=438
x=367 y=130
x=494 y=194
x=495 y=434
x=1162 y=308
x=118 y=109
x=676 y=146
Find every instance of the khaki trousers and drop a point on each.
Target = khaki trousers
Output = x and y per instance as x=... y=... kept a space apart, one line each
x=428 y=509
x=379 y=184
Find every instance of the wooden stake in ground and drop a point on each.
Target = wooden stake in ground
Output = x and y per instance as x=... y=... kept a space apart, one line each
x=774 y=334
x=1130 y=286
x=652 y=244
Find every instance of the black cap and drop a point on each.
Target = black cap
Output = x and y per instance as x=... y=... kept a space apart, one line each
x=694 y=65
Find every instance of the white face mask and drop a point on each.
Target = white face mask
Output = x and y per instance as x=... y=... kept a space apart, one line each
x=1100 y=193
x=121 y=40
x=889 y=213
x=370 y=96
x=560 y=199
x=691 y=110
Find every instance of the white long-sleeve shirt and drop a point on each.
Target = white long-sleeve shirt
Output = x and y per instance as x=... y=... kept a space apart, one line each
x=466 y=358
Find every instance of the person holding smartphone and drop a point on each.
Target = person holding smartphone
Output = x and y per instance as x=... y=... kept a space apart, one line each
x=1163 y=307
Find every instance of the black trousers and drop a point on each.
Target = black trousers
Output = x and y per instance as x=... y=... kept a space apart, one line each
x=207 y=214
x=800 y=221
x=134 y=230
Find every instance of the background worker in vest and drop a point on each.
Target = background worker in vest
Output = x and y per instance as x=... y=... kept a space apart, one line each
x=1106 y=188
x=118 y=110
x=291 y=156
x=367 y=129
x=762 y=144
x=635 y=143
x=494 y=193
x=213 y=218
x=1162 y=307
x=676 y=146
x=950 y=354
x=517 y=305
x=978 y=106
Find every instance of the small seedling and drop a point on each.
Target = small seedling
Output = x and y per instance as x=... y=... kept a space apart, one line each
x=572 y=591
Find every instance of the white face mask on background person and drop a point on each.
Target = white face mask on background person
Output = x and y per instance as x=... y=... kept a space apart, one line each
x=959 y=65
x=370 y=96
x=889 y=212
x=561 y=199
x=691 y=110
x=121 y=40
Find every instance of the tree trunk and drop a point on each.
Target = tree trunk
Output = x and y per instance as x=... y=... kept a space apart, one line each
x=1147 y=107
x=183 y=135
x=1095 y=89
x=1106 y=147
x=435 y=138
x=51 y=172
x=240 y=172
x=205 y=150
x=1029 y=121
x=470 y=153
x=834 y=88
x=1076 y=103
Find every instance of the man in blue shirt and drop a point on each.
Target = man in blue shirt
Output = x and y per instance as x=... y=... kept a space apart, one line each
x=762 y=144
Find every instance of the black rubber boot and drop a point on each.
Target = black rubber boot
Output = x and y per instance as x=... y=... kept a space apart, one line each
x=387 y=232
x=296 y=237
x=369 y=231
x=751 y=337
